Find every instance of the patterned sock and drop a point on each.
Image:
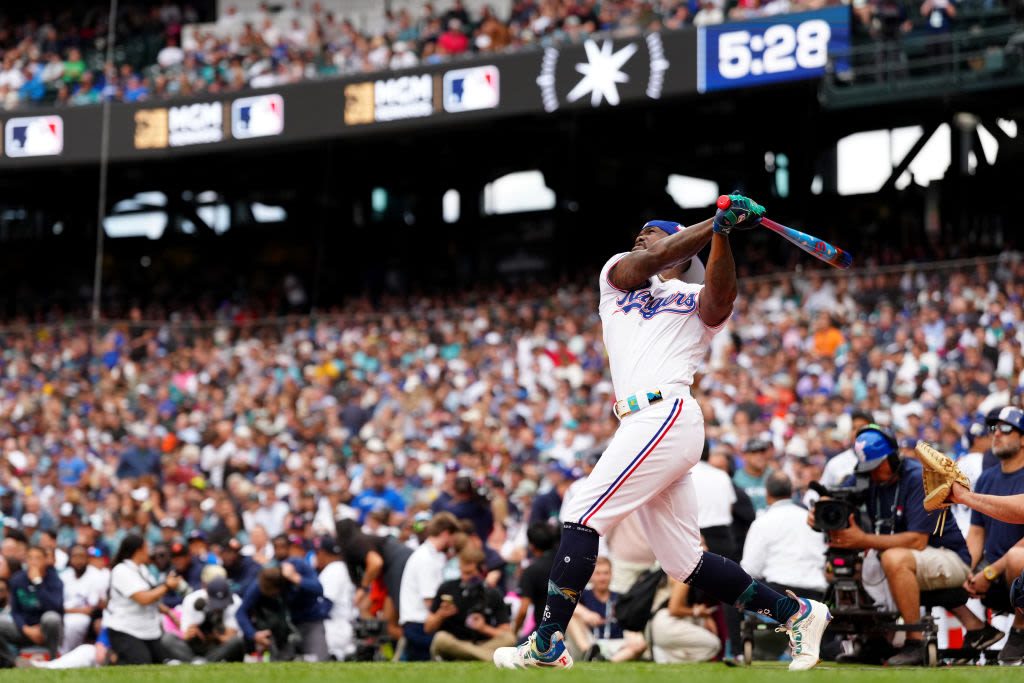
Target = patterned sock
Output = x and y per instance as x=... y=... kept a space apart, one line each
x=574 y=563
x=726 y=581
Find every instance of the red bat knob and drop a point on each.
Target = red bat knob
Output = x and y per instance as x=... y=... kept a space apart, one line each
x=724 y=202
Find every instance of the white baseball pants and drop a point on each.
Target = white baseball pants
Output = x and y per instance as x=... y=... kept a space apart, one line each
x=646 y=470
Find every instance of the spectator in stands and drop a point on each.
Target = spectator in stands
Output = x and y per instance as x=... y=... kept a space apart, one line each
x=74 y=66
x=548 y=505
x=378 y=493
x=756 y=456
x=453 y=41
x=469 y=505
x=86 y=92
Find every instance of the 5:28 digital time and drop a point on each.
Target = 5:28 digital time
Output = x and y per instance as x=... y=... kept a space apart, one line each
x=776 y=49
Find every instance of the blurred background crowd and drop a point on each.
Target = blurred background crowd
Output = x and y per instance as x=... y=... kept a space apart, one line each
x=175 y=49
x=226 y=446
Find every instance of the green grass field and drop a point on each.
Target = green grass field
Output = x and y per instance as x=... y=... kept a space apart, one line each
x=486 y=673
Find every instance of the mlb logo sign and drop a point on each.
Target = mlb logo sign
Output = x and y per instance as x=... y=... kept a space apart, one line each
x=471 y=89
x=34 y=136
x=257 y=117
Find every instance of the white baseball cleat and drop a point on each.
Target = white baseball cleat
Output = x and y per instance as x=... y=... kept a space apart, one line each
x=805 y=629
x=527 y=655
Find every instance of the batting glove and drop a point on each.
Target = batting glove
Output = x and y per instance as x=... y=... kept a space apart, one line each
x=742 y=214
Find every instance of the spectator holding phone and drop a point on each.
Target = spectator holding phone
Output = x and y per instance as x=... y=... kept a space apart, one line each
x=468 y=619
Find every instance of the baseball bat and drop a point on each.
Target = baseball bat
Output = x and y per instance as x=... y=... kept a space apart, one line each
x=818 y=248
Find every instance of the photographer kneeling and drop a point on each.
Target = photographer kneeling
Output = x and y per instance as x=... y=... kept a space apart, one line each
x=208 y=622
x=912 y=556
x=469 y=618
x=283 y=612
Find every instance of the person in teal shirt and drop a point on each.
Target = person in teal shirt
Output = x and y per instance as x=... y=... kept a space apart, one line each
x=752 y=477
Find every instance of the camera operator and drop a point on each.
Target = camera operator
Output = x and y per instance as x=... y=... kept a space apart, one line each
x=912 y=557
x=468 y=618
x=208 y=622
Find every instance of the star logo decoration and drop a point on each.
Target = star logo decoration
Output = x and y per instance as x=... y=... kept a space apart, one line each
x=601 y=73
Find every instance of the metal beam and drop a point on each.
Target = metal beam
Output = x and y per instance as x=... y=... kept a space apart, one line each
x=912 y=153
x=993 y=127
x=979 y=150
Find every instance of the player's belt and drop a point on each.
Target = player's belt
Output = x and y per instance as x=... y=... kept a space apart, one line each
x=631 y=404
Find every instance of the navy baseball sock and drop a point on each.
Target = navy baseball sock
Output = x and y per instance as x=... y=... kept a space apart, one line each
x=574 y=563
x=726 y=580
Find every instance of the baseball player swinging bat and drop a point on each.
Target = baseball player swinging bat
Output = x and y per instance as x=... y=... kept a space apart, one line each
x=818 y=248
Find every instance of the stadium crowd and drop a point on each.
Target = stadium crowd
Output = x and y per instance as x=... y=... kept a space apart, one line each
x=206 y=490
x=170 y=50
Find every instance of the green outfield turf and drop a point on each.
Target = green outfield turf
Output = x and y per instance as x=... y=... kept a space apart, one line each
x=486 y=673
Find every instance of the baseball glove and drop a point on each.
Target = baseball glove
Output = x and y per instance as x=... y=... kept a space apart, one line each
x=939 y=472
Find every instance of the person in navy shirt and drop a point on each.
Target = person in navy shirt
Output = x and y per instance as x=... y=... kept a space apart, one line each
x=996 y=557
x=594 y=619
x=37 y=605
x=242 y=570
x=377 y=494
x=916 y=552
x=468 y=505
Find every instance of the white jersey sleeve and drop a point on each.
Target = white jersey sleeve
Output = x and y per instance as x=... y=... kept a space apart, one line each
x=606 y=284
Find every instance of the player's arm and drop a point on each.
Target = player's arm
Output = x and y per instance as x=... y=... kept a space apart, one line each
x=714 y=304
x=735 y=212
x=1008 y=509
x=637 y=267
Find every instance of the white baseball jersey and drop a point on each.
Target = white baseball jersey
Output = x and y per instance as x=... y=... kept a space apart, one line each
x=654 y=335
x=655 y=339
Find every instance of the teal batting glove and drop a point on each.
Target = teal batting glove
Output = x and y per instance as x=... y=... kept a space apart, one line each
x=739 y=212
